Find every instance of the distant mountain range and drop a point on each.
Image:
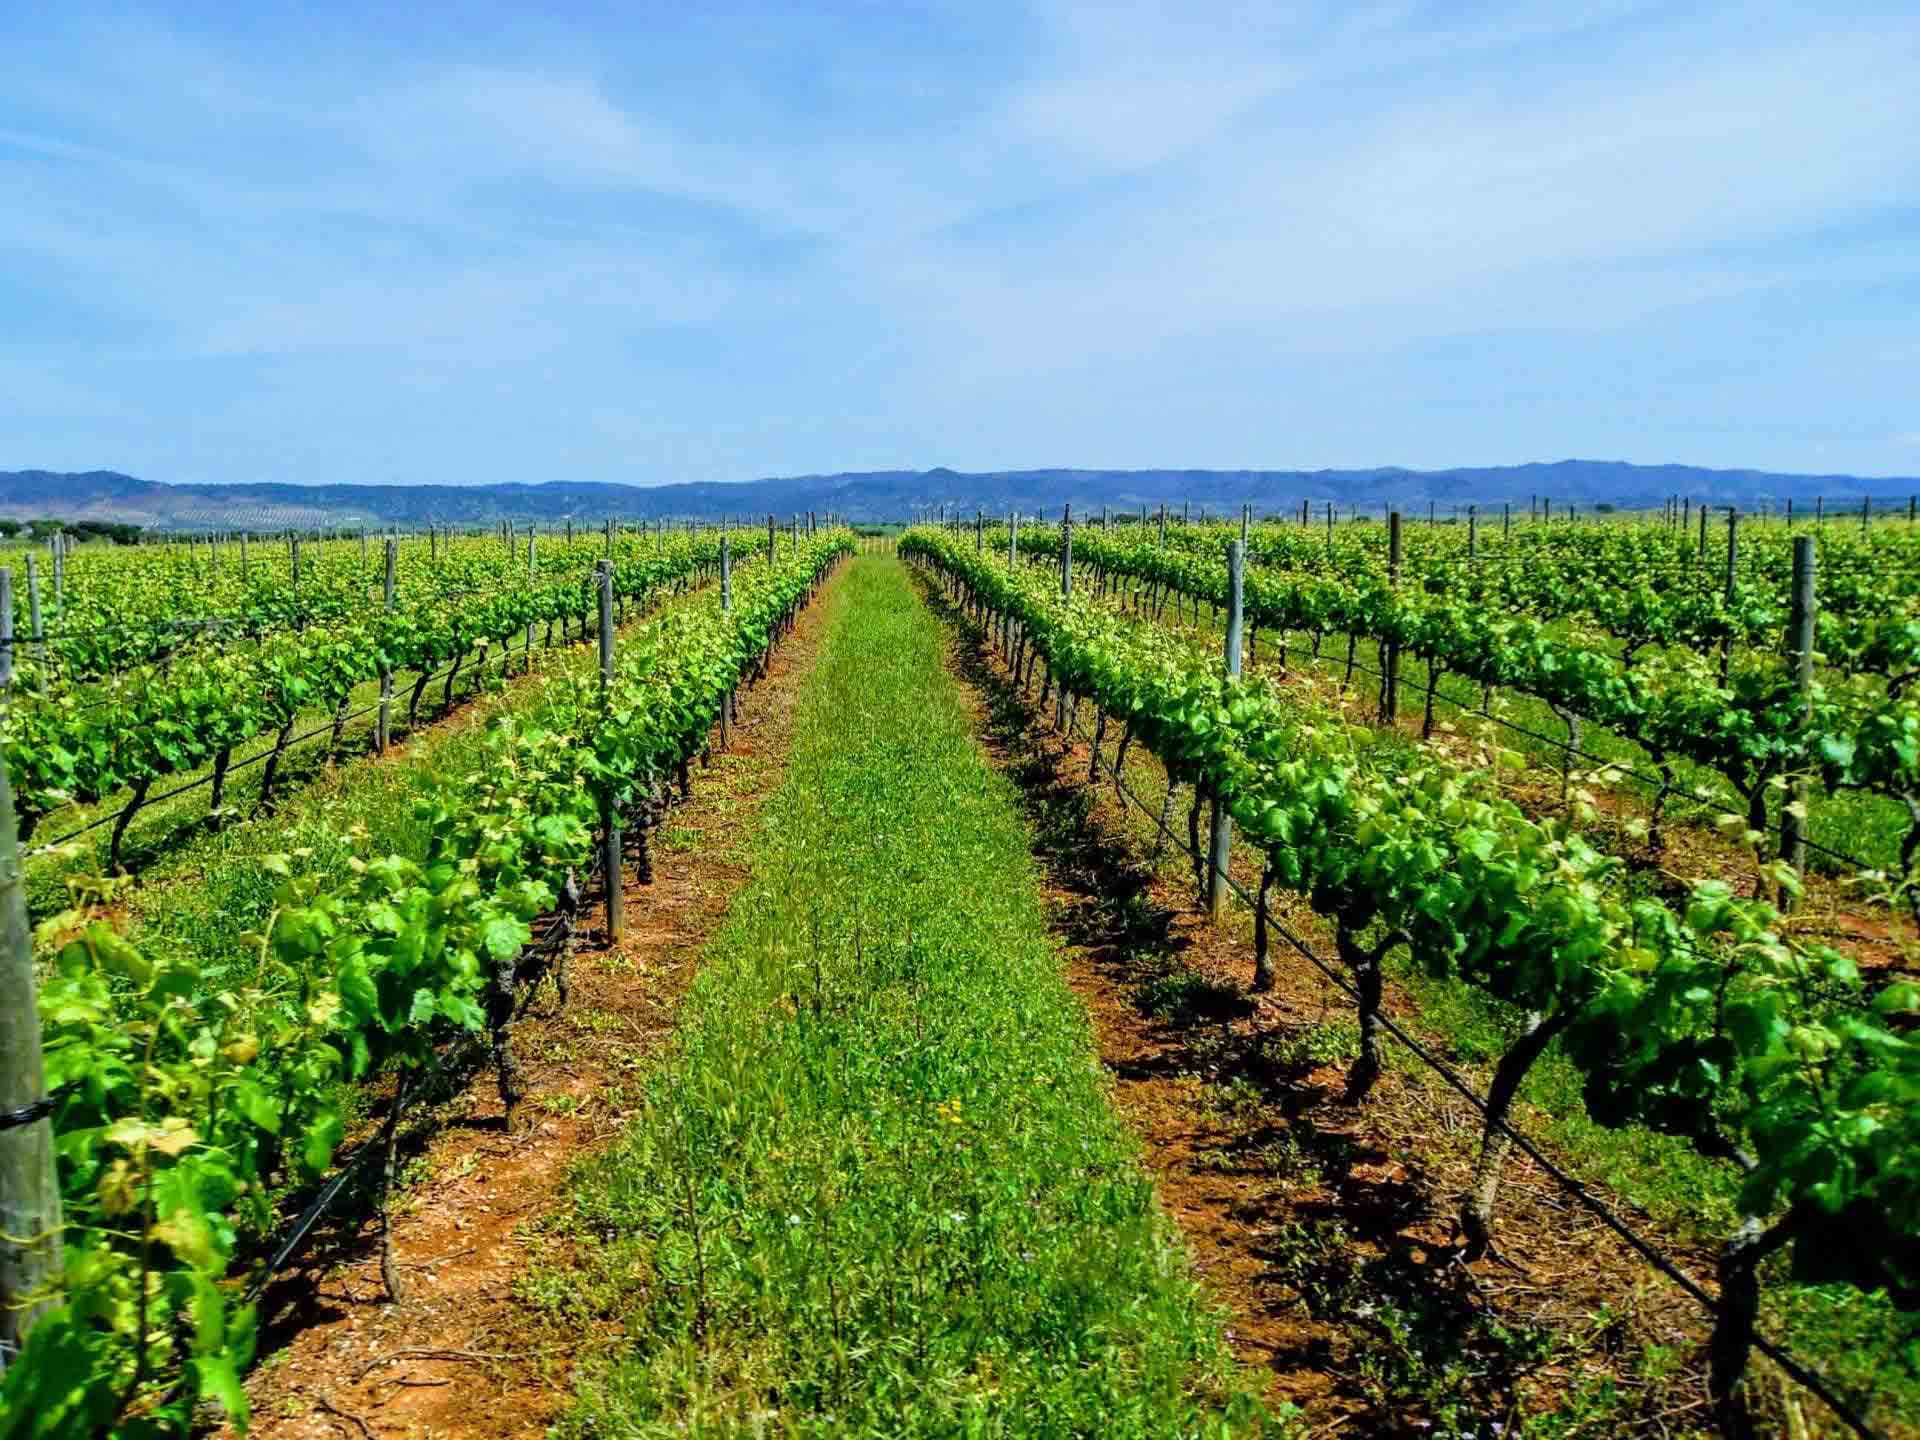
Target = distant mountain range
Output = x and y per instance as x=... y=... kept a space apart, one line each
x=901 y=494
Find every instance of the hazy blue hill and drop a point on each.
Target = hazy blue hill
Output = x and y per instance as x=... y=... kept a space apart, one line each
x=895 y=494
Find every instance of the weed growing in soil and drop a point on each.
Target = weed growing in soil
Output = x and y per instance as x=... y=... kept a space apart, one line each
x=877 y=1189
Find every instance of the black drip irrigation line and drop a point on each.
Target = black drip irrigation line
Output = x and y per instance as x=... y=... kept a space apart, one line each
x=1749 y=641
x=1647 y=1251
x=185 y=622
x=452 y=1063
x=253 y=759
x=1712 y=570
x=108 y=678
x=1853 y=708
x=506 y=653
x=39 y=1109
x=1660 y=785
x=271 y=625
x=1709 y=573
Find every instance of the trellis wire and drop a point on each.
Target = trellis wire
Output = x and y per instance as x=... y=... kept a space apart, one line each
x=111 y=816
x=296 y=1235
x=1649 y=1252
x=1662 y=786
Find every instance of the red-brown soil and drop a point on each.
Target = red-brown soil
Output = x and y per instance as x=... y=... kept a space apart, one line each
x=1302 y=1213
x=459 y=1357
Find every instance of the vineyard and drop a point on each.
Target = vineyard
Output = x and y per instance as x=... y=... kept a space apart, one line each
x=187 y=1092
x=1563 y=875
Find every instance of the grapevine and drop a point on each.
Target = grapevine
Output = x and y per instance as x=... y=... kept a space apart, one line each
x=1710 y=1023
x=185 y=1105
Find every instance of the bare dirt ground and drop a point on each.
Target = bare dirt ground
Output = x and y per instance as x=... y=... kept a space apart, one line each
x=459 y=1357
x=1325 y=1230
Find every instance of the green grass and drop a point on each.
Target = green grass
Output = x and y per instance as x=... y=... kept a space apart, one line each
x=1859 y=1342
x=876 y=1187
x=1850 y=822
x=164 y=835
x=209 y=894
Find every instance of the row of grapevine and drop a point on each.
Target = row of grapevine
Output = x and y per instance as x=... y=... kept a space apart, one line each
x=1638 y=584
x=1711 y=1023
x=185 y=1101
x=153 y=721
x=92 y=611
x=1747 y=719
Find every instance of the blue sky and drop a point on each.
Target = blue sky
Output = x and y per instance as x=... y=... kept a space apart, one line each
x=351 y=242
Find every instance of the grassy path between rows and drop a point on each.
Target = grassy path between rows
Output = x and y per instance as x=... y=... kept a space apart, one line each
x=470 y=1183
x=1858 y=1341
x=166 y=833
x=209 y=891
x=877 y=1187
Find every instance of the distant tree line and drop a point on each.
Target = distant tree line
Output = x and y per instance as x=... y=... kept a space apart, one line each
x=39 y=530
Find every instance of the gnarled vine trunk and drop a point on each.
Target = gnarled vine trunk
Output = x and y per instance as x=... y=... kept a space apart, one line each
x=1369 y=984
x=140 y=790
x=1164 y=828
x=273 y=768
x=1120 y=759
x=499 y=1007
x=446 y=694
x=339 y=725
x=1193 y=841
x=390 y=1136
x=1476 y=1207
x=222 y=758
x=1735 y=1318
x=413 y=704
x=1262 y=971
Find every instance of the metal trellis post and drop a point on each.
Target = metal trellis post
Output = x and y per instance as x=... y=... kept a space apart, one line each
x=726 y=608
x=383 y=734
x=1219 y=851
x=1793 y=819
x=609 y=818
x=1390 y=669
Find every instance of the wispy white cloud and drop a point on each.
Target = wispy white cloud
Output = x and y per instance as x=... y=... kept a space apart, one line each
x=904 y=238
x=1126 y=84
x=1574 y=205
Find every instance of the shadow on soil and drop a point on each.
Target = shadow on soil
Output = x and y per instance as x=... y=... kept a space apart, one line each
x=1401 y=1340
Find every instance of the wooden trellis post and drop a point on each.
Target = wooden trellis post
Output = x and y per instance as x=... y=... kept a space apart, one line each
x=30 y=1248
